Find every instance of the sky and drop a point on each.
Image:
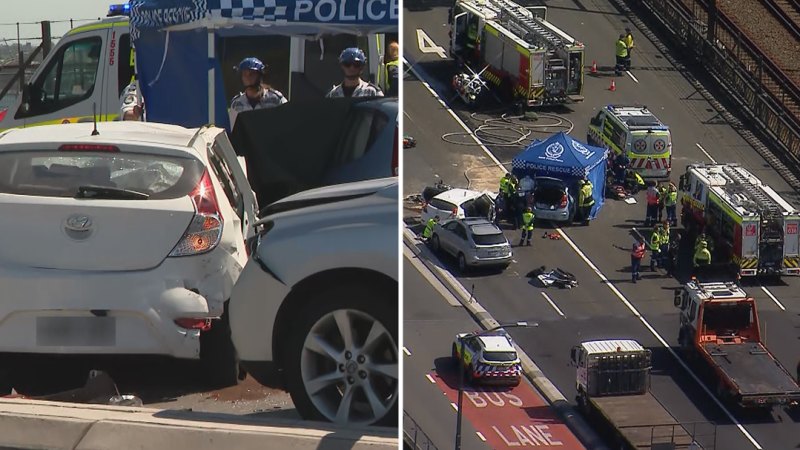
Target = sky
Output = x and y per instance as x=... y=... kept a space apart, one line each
x=37 y=10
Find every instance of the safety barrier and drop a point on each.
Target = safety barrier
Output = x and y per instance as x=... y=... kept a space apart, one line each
x=764 y=93
x=414 y=436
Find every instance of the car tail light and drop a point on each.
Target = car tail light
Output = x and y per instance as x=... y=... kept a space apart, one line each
x=3 y=114
x=205 y=230
x=193 y=323
x=395 y=154
x=88 y=148
x=563 y=201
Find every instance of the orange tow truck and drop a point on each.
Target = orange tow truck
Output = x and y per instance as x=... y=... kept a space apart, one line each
x=719 y=324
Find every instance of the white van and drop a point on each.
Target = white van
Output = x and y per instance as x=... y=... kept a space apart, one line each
x=89 y=67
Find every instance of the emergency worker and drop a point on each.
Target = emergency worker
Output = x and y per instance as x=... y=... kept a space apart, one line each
x=428 y=231
x=652 y=204
x=671 y=202
x=256 y=95
x=472 y=39
x=131 y=103
x=662 y=195
x=664 y=243
x=672 y=254
x=527 y=226
x=621 y=163
x=702 y=257
x=622 y=55
x=655 y=247
x=637 y=253
x=585 y=200
x=353 y=61
x=629 y=44
x=392 y=70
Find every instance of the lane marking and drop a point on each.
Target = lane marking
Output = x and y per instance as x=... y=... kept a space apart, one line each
x=430 y=378
x=631 y=75
x=710 y=158
x=481 y=436
x=426 y=45
x=553 y=304
x=602 y=277
x=455 y=407
x=430 y=277
x=774 y=299
x=405 y=350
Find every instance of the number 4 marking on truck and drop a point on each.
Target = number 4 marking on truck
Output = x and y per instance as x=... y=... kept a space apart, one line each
x=426 y=44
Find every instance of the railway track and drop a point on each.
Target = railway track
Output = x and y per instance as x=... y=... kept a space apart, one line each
x=765 y=44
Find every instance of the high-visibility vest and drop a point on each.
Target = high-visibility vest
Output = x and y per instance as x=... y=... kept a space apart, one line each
x=504 y=183
x=586 y=195
x=672 y=198
x=388 y=82
x=702 y=256
x=472 y=35
x=638 y=250
x=652 y=196
x=527 y=221
x=428 y=231
x=629 y=41
x=655 y=241
x=622 y=49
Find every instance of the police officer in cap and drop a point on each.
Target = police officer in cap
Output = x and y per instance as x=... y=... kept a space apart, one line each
x=256 y=95
x=353 y=61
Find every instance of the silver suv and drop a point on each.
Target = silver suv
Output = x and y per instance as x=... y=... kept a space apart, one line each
x=475 y=242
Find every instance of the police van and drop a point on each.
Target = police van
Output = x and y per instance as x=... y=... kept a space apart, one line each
x=637 y=133
x=91 y=66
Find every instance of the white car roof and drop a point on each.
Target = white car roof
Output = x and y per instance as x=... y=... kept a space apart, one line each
x=458 y=196
x=496 y=344
x=145 y=134
x=612 y=346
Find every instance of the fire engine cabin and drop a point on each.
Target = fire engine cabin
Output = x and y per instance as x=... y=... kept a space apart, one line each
x=526 y=58
x=750 y=225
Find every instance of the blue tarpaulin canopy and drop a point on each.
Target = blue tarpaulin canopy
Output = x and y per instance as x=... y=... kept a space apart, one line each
x=176 y=44
x=561 y=156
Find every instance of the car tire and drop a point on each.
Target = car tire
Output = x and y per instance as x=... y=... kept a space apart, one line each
x=219 y=361
x=462 y=263
x=435 y=245
x=454 y=353
x=324 y=314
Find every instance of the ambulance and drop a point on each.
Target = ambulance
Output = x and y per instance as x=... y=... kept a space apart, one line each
x=637 y=133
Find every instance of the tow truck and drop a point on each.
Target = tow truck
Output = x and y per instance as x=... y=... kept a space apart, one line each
x=528 y=59
x=752 y=227
x=719 y=326
x=613 y=384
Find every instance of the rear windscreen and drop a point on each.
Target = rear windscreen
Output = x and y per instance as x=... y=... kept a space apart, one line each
x=59 y=174
x=489 y=239
x=500 y=356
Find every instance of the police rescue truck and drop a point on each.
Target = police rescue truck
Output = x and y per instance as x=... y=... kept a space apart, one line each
x=528 y=59
x=750 y=225
x=636 y=132
x=490 y=358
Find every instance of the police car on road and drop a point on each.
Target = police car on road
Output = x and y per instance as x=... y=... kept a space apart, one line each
x=488 y=359
x=637 y=133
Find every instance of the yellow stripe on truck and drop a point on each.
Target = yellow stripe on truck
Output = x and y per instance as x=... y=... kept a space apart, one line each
x=97 y=26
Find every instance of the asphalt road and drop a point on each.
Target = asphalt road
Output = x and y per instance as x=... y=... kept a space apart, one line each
x=593 y=310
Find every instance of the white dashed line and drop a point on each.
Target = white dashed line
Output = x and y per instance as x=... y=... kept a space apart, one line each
x=430 y=378
x=553 y=304
x=480 y=436
x=774 y=299
x=405 y=350
x=710 y=158
x=455 y=407
x=631 y=75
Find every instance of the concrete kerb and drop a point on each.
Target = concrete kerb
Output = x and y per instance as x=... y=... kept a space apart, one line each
x=545 y=387
x=89 y=427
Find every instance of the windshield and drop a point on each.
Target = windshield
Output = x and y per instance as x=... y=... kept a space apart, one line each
x=56 y=174
x=489 y=239
x=500 y=356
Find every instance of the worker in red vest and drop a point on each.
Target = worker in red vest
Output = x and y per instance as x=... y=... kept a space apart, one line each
x=652 y=204
x=637 y=253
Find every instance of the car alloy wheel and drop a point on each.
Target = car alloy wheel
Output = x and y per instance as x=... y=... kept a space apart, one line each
x=435 y=243
x=349 y=367
x=462 y=262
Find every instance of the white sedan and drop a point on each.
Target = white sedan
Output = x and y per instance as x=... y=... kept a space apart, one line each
x=125 y=242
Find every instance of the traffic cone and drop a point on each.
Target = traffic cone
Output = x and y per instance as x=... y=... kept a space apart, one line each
x=594 y=67
x=613 y=86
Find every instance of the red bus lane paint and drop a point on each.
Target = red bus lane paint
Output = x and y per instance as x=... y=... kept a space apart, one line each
x=509 y=417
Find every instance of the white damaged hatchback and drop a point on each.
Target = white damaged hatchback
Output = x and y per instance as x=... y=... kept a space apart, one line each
x=122 y=242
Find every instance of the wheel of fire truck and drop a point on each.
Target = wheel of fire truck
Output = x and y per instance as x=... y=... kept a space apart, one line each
x=583 y=403
x=685 y=340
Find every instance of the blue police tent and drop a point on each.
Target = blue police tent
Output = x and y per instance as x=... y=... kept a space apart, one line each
x=179 y=45
x=561 y=156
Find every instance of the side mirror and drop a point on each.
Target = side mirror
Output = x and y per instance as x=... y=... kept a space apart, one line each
x=595 y=121
x=678 y=293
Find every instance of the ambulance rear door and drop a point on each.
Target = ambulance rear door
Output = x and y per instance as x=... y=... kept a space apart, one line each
x=70 y=82
x=653 y=150
x=791 y=245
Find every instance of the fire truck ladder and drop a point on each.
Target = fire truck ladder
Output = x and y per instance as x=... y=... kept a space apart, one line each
x=768 y=207
x=519 y=19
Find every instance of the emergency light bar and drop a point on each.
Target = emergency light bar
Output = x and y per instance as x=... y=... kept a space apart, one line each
x=119 y=10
